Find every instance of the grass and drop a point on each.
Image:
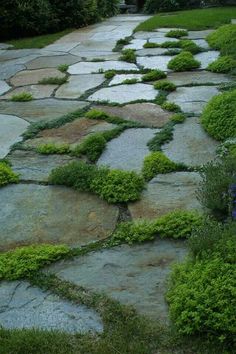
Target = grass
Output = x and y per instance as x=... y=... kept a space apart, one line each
x=37 y=41
x=128 y=55
x=63 y=68
x=191 y=20
x=22 y=97
x=53 y=81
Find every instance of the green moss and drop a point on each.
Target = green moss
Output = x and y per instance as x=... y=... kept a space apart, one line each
x=109 y=74
x=130 y=81
x=151 y=45
x=170 y=44
x=170 y=106
x=53 y=81
x=100 y=115
x=224 y=39
x=63 y=68
x=51 y=148
x=223 y=64
x=7 y=176
x=177 y=33
x=156 y=163
x=22 y=97
x=178 y=118
x=183 y=62
x=128 y=55
x=154 y=75
x=92 y=147
x=121 y=43
x=189 y=46
x=165 y=86
x=164 y=136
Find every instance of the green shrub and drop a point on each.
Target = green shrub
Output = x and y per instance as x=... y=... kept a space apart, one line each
x=109 y=74
x=107 y=8
x=165 y=86
x=22 y=97
x=222 y=65
x=96 y=114
x=183 y=62
x=154 y=75
x=171 y=106
x=219 y=116
x=130 y=81
x=189 y=46
x=178 y=118
x=177 y=33
x=53 y=81
x=156 y=163
x=92 y=147
x=121 y=43
x=224 y=39
x=128 y=55
x=170 y=44
x=24 y=261
x=7 y=175
x=51 y=148
x=151 y=45
x=63 y=68
x=172 y=51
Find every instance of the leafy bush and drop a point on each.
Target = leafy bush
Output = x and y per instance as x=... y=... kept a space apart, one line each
x=178 y=118
x=154 y=75
x=223 y=64
x=63 y=68
x=92 y=147
x=177 y=33
x=128 y=55
x=156 y=163
x=171 y=106
x=53 y=81
x=22 y=97
x=219 y=116
x=24 y=261
x=7 y=175
x=183 y=62
x=165 y=86
x=48 y=149
x=189 y=46
x=107 y=8
x=224 y=39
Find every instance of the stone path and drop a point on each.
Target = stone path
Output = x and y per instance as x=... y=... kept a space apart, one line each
x=33 y=212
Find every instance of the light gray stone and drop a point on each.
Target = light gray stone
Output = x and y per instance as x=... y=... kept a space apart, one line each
x=125 y=93
x=118 y=79
x=199 y=34
x=5 y=46
x=127 y=151
x=190 y=145
x=150 y=52
x=197 y=77
x=7 y=70
x=4 y=87
x=52 y=61
x=77 y=85
x=52 y=214
x=26 y=307
x=166 y=193
x=11 y=128
x=37 y=91
x=233 y=21
x=92 y=67
x=90 y=45
x=207 y=58
x=18 y=53
x=29 y=77
x=134 y=275
x=202 y=43
x=135 y=44
x=155 y=62
x=167 y=29
x=61 y=47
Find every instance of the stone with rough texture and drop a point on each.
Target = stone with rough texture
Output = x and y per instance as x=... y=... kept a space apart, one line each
x=37 y=91
x=158 y=62
x=18 y=53
x=118 y=79
x=52 y=61
x=29 y=77
x=199 y=34
x=37 y=110
x=134 y=275
x=11 y=128
x=197 y=77
x=8 y=70
x=148 y=114
x=135 y=44
x=207 y=58
x=202 y=43
x=92 y=67
x=127 y=151
x=150 y=52
x=191 y=145
x=4 y=87
x=77 y=85
x=24 y=306
x=125 y=93
x=62 y=47
x=166 y=193
x=53 y=214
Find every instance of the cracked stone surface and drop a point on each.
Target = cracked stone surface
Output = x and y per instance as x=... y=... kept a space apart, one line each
x=135 y=275
x=125 y=93
x=11 y=128
x=197 y=77
x=4 y=87
x=167 y=192
x=188 y=138
x=135 y=44
x=155 y=62
x=29 y=77
x=25 y=306
x=52 y=61
x=150 y=52
x=52 y=214
x=207 y=58
x=118 y=79
x=37 y=91
x=8 y=70
x=94 y=67
x=128 y=150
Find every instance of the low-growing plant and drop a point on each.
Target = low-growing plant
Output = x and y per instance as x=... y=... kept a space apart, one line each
x=121 y=43
x=53 y=81
x=171 y=106
x=162 y=137
x=177 y=33
x=223 y=64
x=161 y=98
x=165 y=85
x=22 y=97
x=224 y=39
x=156 y=163
x=171 y=52
x=170 y=44
x=109 y=74
x=92 y=147
x=63 y=68
x=151 y=45
x=51 y=148
x=178 y=118
x=7 y=176
x=189 y=46
x=100 y=115
x=128 y=55
x=130 y=81
x=22 y=262
x=183 y=62
x=154 y=75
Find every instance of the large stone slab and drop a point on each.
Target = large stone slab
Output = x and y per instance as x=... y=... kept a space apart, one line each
x=7 y=70
x=150 y=52
x=197 y=78
x=202 y=43
x=128 y=151
x=61 y=47
x=160 y=40
x=191 y=145
x=78 y=84
x=29 y=77
x=149 y=114
x=134 y=275
x=11 y=129
x=135 y=44
x=4 y=87
x=155 y=62
x=166 y=193
x=18 y=53
x=118 y=79
x=24 y=306
x=52 y=61
x=199 y=34
x=52 y=214
x=125 y=93
x=95 y=67
x=93 y=45
x=37 y=91
x=207 y=58
x=47 y=109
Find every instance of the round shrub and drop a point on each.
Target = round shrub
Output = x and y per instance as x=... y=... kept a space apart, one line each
x=183 y=62
x=224 y=39
x=7 y=175
x=165 y=86
x=219 y=116
x=156 y=163
x=222 y=65
x=189 y=46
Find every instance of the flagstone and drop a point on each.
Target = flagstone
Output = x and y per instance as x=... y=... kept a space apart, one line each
x=37 y=91
x=155 y=62
x=4 y=87
x=7 y=70
x=92 y=67
x=197 y=77
x=199 y=34
x=52 y=61
x=29 y=77
x=150 y=52
x=135 y=44
x=207 y=58
x=118 y=79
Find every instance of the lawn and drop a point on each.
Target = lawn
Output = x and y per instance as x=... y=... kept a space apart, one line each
x=191 y=19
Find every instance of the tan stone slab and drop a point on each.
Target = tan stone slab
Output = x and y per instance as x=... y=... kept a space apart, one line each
x=37 y=91
x=29 y=77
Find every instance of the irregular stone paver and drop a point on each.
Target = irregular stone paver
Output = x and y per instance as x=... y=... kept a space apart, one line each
x=11 y=128
x=65 y=47
x=47 y=109
x=135 y=275
x=52 y=214
x=37 y=91
x=92 y=45
x=191 y=145
x=78 y=84
x=166 y=193
x=29 y=77
x=4 y=87
x=26 y=306
x=5 y=46
x=149 y=114
x=207 y=58
x=160 y=40
x=150 y=52
x=128 y=151
x=199 y=34
x=135 y=44
x=118 y=79
x=158 y=62
x=7 y=70
x=92 y=67
x=125 y=93
x=18 y=53
x=193 y=99
x=148 y=35
x=201 y=43
x=197 y=77
x=52 y=62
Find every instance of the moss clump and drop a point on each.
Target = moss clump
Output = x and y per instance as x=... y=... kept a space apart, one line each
x=171 y=106
x=178 y=118
x=128 y=55
x=63 y=68
x=48 y=149
x=154 y=75
x=22 y=97
x=156 y=163
x=177 y=33
x=130 y=81
x=165 y=86
x=170 y=44
x=223 y=64
x=183 y=62
x=53 y=81
x=7 y=176
x=109 y=74
x=224 y=39
x=189 y=46
x=151 y=45
x=92 y=147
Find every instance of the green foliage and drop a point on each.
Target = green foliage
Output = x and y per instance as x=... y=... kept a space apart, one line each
x=24 y=261
x=171 y=106
x=189 y=46
x=121 y=43
x=22 y=97
x=219 y=116
x=133 y=232
x=172 y=51
x=128 y=55
x=223 y=64
x=92 y=147
x=130 y=81
x=7 y=175
x=177 y=33
x=151 y=45
x=51 y=148
x=156 y=163
x=164 y=136
x=178 y=118
x=100 y=115
x=53 y=81
x=224 y=39
x=165 y=86
x=96 y=114
x=109 y=74
x=63 y=68
x=170 y=44
x=154 y=75
x=183 y=62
